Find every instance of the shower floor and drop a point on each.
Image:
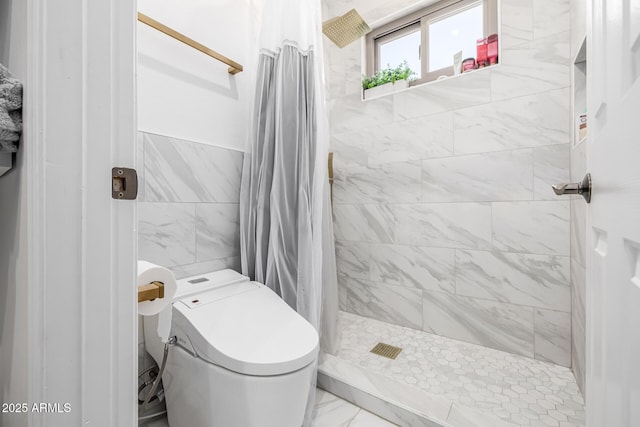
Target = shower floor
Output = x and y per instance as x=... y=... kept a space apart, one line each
x=447 y=382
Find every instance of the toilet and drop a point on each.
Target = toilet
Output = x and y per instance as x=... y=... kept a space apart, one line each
x=243 y=357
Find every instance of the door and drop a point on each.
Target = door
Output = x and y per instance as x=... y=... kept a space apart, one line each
x=613 y=217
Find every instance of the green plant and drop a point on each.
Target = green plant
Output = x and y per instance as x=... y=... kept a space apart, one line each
x=389 y=75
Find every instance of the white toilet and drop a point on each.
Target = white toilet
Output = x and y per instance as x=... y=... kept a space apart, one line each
x=244 y=358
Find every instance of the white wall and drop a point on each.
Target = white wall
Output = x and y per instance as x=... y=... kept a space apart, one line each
x=13 y=233
x=184 y=93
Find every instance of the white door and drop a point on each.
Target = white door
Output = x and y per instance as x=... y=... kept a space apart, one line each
x=613 y=217
x=79 y=123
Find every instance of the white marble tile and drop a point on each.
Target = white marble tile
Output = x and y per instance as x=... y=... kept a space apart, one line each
x=217 y=231
x=352 y=259
x=517 y=22
x=387 y=183
x=331 y=411
x=579 y=163
x=505 y=175
x=540 y=227
x=396 y=304
x=414 y=139
x=350 y=113
x=365 y=223
x=532 y=67
x=551 y=17
x=367 y=419
x=413 y=266
x=551 y=165
x=449 y=225
x=532 y=280
x=140 y=165
x=579 y=230
x=342 y=293
x=167 y=233
x=402 y=404
x=494 y=324
x=462 y=416
x=444 y=95
x=529 y=121
x=182 y=171
x=553 y=336
x=578 y=321
x=158 y=422
x=351 y=149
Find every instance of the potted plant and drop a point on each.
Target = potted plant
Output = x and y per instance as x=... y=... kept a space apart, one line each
x=387 y=80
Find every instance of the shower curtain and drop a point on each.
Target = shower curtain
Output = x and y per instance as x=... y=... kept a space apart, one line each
x=285 y=213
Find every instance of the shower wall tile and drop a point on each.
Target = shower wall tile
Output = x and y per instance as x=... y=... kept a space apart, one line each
x=351 y=113
x=498 y=325
x=182 y=171
x=446 y=95
x=479 y=177
x=532 y=227
x=217 y=231
x=529 y=121
x=167 y=233
x=518 y=28
x=364 y=223
x=488 y=144
x=352 y=259
x=532 y=67
x=533 y=280
x=579 y=231
x=578 y=321
x=414 y=139
x=553 y=336
x=413 y=266
x=388 y=183
x=551 y=17
x=394 y=304
x=449 y=225
x=550 y=167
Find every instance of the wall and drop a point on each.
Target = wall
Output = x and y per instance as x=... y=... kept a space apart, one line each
x=193 y=118
x=13 y=232
x=578 y=206
x=184 y=93
x=444 y=217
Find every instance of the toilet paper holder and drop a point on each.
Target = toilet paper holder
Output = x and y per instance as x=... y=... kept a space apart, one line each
x=150 y=291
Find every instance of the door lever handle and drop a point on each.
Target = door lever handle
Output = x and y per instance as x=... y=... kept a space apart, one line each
x=583 y=188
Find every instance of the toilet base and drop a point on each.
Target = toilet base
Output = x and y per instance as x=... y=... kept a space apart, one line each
x=201 y=394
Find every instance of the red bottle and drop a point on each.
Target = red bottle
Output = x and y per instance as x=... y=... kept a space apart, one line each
x=492 y=49
x=481 y=52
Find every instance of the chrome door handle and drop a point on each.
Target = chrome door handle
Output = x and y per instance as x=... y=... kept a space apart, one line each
x=583 y=188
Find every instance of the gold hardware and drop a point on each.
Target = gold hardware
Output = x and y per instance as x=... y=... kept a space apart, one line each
x=345 y=29
x=150 y=291
x=234 y=67
x=386 y=350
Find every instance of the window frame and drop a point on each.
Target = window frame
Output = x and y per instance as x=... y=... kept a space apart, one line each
x=421 y=19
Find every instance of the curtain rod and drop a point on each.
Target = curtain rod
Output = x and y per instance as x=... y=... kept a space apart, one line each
x=234 y=67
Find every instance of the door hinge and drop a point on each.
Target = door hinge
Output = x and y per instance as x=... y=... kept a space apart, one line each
x=124 y=184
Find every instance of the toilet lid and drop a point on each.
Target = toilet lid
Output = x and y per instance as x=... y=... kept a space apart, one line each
x=245 y=328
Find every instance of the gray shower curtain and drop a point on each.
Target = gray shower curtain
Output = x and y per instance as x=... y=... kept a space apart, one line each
x=286 y=228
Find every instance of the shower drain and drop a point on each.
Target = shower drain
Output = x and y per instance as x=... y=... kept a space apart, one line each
x=386 y=350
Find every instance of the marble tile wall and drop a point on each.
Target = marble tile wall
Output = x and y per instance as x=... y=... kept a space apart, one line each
x=188 y=208
x=444 y=216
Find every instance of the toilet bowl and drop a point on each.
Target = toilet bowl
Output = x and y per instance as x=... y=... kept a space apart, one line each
x=243 y=357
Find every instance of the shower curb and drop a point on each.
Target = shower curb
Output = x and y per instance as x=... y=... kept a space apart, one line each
x=398 y=403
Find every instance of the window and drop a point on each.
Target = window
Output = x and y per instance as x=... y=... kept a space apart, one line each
x=428 y=39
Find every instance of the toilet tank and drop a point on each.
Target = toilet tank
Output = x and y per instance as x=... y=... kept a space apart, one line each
x=157 y=327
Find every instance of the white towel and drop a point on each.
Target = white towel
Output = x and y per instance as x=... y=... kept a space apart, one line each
x=10 y=111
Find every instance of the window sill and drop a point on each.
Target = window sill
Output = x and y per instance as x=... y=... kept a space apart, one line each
x=417 y=83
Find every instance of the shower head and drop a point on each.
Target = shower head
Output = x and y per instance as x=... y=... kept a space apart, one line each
x=345 y=29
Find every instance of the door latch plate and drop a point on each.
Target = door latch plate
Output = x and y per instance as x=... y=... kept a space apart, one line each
x=124 y=184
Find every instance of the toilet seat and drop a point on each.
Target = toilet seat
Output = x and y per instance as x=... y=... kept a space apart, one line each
x=245 y=328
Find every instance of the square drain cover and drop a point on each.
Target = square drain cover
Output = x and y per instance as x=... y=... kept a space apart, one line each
x=386 y=350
